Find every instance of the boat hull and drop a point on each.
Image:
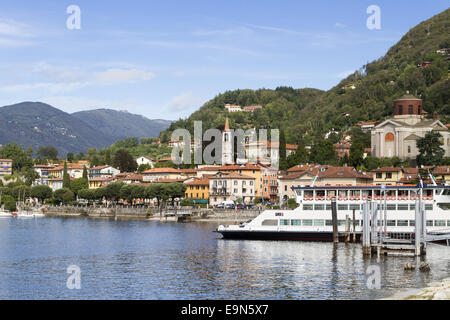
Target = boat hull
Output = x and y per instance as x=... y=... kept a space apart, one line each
x=283 y=235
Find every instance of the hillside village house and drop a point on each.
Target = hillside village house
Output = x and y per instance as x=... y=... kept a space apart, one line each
x=146 y=160
x=44 y=173
x=387 y=176
x=97 y=182
x=156 y=174
x=233 y=108
x=104 y=171
x=247 y=169
x=231 y=186
x=397 y=136
x=197 y=190
x=5 y=167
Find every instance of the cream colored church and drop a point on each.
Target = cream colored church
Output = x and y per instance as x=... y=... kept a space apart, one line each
x=397 y=136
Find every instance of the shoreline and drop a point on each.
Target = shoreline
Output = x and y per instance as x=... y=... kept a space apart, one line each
x=437 y=290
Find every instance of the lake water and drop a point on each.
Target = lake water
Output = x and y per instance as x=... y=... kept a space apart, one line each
x=153 y=260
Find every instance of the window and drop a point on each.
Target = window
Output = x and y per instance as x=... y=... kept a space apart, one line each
x=328 y=222
x=409 y=149
x=429 y=207
x=285 y=188
x=402 y=223
x=400 y=109
x=319 y=223
x=389 y=137
x=391 y=223
x=379 y=175
x=278 y=214
x=270 y=222
x=307 y=222
x=307 y=207
x=319 y=207
x=388 y=175
x=410 y=109
x=354 y=207
x=284 y=222
x=342 y=206
x=429 y=223
x=439 y=223
x=412 y=223
x=391 y=207
x=235 y=182
x=402 y=207
x=296 y=222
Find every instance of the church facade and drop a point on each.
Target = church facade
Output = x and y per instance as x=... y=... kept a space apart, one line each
x=397 y=136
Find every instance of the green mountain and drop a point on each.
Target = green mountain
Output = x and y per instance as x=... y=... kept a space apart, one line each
x=368 y=94
x=38 y=124
x=122 y=124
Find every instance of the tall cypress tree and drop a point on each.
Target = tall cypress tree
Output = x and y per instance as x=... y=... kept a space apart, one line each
x=85 y=173
x=66 y=177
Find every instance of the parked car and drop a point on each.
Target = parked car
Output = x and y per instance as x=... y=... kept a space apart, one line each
x=250 y=206
x=230 y=206
x=219 y=206
x=241 y=206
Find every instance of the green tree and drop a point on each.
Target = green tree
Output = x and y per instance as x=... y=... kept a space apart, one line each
x=70 y=157
x=41 y=192
x=66 y=177
x=113 y=190
x=48 y=152
x=85 y=173
x=21 y=158
x=323 y=152
x=63 y=195
x=124 y=161
x=9 y=202
x=356 y=154
x=79 y=184
x=30 y=175
x=430 y=151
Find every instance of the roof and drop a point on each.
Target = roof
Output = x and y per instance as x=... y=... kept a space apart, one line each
x=227 y=125
x=99 y=167
x=388 y=169
x=147 y=157
x=130 y=176
x=367 y=123
x=233 y=167
x=408 y=97
x=165 y=159
x=344 y=172
x=412 y=136
x=230 y=175
x=99 y=179
x=187 y=170
x=442 y=170
x=198 y=182
x=301 y=167
x=169 y=180
x=161 y=170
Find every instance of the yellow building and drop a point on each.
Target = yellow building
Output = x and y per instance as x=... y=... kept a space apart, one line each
x=198 y=190
x=387 y=176
x=97 y=182
x=442 y=174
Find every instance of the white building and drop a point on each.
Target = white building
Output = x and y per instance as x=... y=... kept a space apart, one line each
x=146 y=160
x=397 y=136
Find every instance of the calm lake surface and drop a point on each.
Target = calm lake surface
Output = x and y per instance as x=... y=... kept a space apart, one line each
x=153 y=260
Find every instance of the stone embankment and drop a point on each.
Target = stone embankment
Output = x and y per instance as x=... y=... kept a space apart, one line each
x=435 y=291
x=151 y=213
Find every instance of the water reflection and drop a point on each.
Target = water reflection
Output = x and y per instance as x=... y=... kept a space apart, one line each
x=151 y=260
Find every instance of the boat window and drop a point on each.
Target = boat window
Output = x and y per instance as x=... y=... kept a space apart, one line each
x=331 y=193
x=341 y=223
x=429 y=223
x=330 y=222
x=296 y=222
x=380 y=206
x=284 y=222
x=392 y=207
x=402 y=223
x=298 y=192
x=429 y=207
x=319 y=207
x=448 y=223
x=412 y=207
x=444 y=206
x=402 y=207
x=328 y=207
x=391 y=223
x=307 y=207
x=342 y=193
x=308 y=193
x=342 y=206
x=319 y=223
x=446 y=192
x=439 y=223
x=270 y=222
x=412 y=223
x=307 y=222
x=354 y=207
x=320 y=193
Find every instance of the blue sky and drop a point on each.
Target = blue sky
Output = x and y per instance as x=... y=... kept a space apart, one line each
x=164 y=59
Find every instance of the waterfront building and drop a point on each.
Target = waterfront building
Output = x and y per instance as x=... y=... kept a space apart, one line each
x=269 y=189
x=104 y=171
x=197 y=190
x=247 y=169
x=387 y=176
x=156 y=174
x=397 y=136
x=226 y=186
x=43 y=171
x=5 y=167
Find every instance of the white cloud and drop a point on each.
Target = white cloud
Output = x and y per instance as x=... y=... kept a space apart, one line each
x=184 y=103
x=122 y=75
x=15 y=34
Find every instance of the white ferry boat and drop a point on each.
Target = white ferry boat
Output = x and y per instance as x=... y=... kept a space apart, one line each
x=311 y=220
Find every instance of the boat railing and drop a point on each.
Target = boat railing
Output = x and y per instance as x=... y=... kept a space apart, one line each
x=366 y=197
